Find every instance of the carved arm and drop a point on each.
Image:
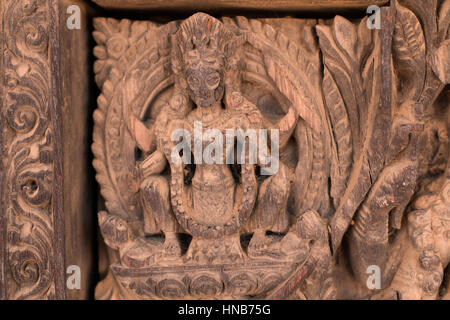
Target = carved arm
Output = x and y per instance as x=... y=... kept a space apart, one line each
x=153 y=164
x=144 y=137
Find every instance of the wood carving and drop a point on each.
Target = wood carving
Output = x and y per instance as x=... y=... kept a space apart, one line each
x=360 y=120
x=30 y=224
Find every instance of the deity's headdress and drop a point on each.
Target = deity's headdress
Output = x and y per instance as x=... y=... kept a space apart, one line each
x=201 y=37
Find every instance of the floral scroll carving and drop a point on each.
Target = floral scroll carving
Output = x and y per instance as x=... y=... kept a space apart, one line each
x=28 y=154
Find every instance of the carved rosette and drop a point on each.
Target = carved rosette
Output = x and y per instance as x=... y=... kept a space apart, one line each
x=29 y=195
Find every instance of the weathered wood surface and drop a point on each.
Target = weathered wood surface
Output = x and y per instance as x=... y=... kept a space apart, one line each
x=32 y=202
x=357 y=109
x=266 y=5
x=45 y=198
x=76 y=110
x=364 y=175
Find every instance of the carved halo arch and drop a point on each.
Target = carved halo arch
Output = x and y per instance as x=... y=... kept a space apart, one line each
x=133 y=68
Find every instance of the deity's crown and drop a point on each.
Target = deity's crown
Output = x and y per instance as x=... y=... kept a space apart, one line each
x=202 y=37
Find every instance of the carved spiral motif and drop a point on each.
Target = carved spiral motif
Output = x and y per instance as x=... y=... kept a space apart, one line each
x=29 y=152
x=24 y=267
x=145 y=289
x=242 y=284
x=35 y=37
x=34 y=187
x=22 y=118
x=171 y=289
x=205 y=286
x=28 y=260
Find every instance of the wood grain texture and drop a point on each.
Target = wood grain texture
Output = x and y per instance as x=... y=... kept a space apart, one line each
x=364 y=125
x=75 y=111
x=277 y=5
x=32 y=214
x=364 y=176
x=46 y=220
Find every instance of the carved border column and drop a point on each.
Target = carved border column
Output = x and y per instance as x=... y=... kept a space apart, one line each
x=31 y=222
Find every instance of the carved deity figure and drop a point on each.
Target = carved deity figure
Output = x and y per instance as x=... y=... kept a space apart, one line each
x=343 y=180
x=201 y=157
x=204 y=65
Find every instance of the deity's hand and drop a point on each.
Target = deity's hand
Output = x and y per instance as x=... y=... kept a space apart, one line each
x=174 y=130
x=144 y=137
x=134 y=179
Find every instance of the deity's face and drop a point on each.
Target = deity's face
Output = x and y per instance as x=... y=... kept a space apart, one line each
x=204 y=78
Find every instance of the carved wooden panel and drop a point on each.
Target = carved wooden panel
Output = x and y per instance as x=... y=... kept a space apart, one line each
x=32 y=266
x=45 y=206
x=236 y=157
x=356 y=110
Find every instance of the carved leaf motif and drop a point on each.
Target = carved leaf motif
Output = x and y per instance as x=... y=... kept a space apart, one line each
x=369 y=236
x=113 y=39
x=343 y=71
x=345 y=34
x=444 y=20
x=410 y=47
x=289 y=57
x=440 y=59
x=440 y=62
x=365 y=40
x=29 y=199
x=358 y=82
x=342 y=142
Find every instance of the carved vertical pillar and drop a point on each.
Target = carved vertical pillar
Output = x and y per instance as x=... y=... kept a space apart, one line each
x=44 y=151
x=31 y=181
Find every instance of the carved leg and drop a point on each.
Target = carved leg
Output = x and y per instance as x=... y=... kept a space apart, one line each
x=155 y=199
x=270 y=213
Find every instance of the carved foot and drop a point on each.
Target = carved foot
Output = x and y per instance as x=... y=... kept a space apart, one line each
x=291 y=247
x=294 y=247
x=140 y=253
x=263 y=246
x=171 y=248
